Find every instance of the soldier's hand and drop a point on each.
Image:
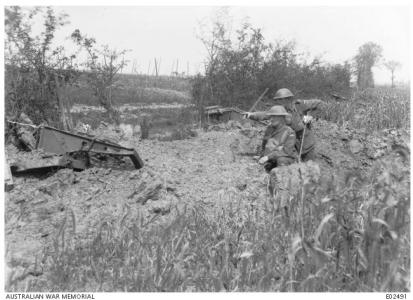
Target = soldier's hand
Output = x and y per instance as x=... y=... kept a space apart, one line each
x=247 y=115
x=288 y=119
x=263 y=160
x=307 y=119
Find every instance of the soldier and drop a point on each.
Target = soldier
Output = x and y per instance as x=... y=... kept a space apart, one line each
x=278 y=146
x=299 y=120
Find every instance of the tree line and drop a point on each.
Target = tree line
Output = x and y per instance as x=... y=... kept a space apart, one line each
x=239 y=68
x=40 y=76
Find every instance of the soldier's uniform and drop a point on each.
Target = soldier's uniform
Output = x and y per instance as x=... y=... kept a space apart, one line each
x=298 y=109
x=279 y=146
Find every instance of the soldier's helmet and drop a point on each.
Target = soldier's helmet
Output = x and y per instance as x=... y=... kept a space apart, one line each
x=283 y=93
x=277 y=110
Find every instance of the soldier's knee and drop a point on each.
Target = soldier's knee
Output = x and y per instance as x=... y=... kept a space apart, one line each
x=310 y=155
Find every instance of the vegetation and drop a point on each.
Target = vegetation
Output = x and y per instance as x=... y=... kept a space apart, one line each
x=138 y=89
x=367 y=57
x=352 y=236
x=41 y=78
x=392 y=66
x=238 y=70
x=38 y=75
x=371 y=109
x=103 y=66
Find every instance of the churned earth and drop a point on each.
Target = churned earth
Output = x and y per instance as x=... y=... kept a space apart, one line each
x=213 y=169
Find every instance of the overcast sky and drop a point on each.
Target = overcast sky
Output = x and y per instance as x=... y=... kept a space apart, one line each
x=169 y=33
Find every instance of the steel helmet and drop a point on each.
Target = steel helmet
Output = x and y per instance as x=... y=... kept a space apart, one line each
x=283 y=93
x=277 y=110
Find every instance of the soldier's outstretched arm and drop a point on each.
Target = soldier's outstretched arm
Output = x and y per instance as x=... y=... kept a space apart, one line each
x=257 y=116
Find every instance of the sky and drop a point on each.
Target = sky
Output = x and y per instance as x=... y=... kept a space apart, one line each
x=169 y=34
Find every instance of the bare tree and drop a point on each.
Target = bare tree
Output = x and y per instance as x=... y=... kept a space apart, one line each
x=367 y=57
x=103 y=66
x=392 y=65
x=215 y=37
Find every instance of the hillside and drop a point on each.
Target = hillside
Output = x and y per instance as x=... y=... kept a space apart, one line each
x=138 y=89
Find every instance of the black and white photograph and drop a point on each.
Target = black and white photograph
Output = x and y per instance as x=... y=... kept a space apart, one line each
x=202 y=148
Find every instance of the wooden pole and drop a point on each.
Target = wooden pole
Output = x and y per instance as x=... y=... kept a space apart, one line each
x=156 y=68
x=258 y=100
x=177 y=65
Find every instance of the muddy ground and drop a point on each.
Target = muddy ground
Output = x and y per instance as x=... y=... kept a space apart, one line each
x=213 y=169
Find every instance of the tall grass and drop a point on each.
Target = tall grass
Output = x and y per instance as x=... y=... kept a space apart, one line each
x=350 y=237
x=372 y=109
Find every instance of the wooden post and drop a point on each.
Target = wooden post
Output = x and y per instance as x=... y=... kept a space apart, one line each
x=177 y=65
x=63 y=102
x=149 y=68
x=156 y=68
x=172 y=69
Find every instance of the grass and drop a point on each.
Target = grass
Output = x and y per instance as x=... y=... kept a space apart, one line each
x=372 y=109
x=350 y=237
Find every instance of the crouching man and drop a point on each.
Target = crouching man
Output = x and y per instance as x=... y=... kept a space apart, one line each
x=278 y=145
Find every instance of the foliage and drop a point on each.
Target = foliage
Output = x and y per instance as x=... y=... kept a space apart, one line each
x=367 y=57
x=37 y=73
x=103 y=66
x=238 y=71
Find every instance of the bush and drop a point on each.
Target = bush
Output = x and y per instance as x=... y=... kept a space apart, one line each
x=239 y=72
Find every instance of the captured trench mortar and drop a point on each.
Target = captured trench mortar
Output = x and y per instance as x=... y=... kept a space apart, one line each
x=63 y=149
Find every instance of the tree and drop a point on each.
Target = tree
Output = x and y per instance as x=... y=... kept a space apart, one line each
x=37 y=74
x=215 y=38
x=392 y=65
x=103 y=66
x=241 y=66
x=368 y=56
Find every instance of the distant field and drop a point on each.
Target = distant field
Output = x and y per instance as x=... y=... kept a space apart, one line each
x=182 y=84
x=139 y=89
